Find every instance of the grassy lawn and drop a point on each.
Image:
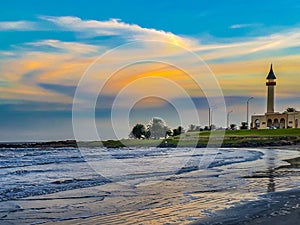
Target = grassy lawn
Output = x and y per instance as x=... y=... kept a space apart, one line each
x=271 y=132
x=248 y=133
x=232 y=138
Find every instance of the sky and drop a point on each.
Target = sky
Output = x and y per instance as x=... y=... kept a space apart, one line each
x=124 y=62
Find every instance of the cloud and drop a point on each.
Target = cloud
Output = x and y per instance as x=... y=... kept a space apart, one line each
x=233 y=62
x=28 y=106
x=237 y=26
x=113 y=27
x=23 y=75
x=6 y=53
x=63 y=89
x=72 y=47
x=21 y=25
x=227 y=49
x=252 y=48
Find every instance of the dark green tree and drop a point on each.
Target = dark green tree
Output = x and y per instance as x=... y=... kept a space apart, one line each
x=244 y=126
x=138 y=131
x=177 y=131
x=206 y=128
x=147 y=134
x=232 y=126
x=290 y=109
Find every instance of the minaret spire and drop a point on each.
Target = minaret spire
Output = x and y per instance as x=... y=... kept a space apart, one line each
x=271 y=83
x=271 y=74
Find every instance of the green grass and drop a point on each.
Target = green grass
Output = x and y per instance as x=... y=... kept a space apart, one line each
x=248 y=133
x=271 y=132
x=232 y=138
x=141 y=142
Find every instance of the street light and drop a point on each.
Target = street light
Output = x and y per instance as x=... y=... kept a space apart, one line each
x=210 y=115
x=228 y=114
x=248 y=111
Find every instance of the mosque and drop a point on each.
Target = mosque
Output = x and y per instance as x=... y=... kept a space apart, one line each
x=272 y=119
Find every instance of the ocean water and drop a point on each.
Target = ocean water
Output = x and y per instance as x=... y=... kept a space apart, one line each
x=137 y=180
x=34 y=171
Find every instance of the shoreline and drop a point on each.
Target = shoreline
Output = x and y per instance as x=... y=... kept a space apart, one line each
x=249 y=143
x=218 y=138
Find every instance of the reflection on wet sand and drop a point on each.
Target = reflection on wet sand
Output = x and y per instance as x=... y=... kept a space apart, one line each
x=276 y=175
x=271 y=156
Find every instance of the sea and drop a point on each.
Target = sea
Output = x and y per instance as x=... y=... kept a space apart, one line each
x=159 y=185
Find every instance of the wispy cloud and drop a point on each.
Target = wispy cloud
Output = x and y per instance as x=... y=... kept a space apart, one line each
x=21 y=25
x=6 y=53
x=113 y=27
x=71 y=47
x=237 y=26
x=253 y=48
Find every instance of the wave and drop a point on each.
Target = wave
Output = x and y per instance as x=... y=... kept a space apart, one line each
x=30 y=172
x=22 y=191
x=12 y=158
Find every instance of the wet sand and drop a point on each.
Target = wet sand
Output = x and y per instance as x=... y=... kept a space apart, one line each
x=95 y=206
x=277 y=209
x=175 y=201
x=168 y=202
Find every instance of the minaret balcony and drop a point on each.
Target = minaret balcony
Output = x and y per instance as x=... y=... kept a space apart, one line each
x=271 y=83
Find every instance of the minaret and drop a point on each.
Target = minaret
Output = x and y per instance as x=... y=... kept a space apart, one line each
x=271 y=83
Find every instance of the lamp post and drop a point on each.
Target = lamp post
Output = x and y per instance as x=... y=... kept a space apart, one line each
x=228 y=114
x=211 y=120
x=248 y=110
x=210 y=115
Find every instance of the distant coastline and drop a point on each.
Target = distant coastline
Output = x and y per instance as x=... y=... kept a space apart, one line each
x=247 y=138
x=46 y=144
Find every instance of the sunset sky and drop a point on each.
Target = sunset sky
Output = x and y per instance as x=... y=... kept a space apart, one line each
x=47 y=46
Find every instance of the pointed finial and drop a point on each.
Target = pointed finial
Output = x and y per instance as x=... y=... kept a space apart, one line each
x=271 y=74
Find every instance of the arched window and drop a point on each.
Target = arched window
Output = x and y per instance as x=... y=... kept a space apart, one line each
x=296 y=123
x=282 y=123
x=276 y=123
x=257 y=123
x=269 y=123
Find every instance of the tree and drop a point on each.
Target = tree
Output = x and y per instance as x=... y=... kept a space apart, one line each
x=157 y=128
x=232 y=126
x=177 y=131
x=147 y=134
x=290 y=109
x=244 y=126
x=138 y=131
x=169 y=133
x=206 y=128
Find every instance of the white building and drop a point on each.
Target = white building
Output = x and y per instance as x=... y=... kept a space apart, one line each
x=272 y=118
